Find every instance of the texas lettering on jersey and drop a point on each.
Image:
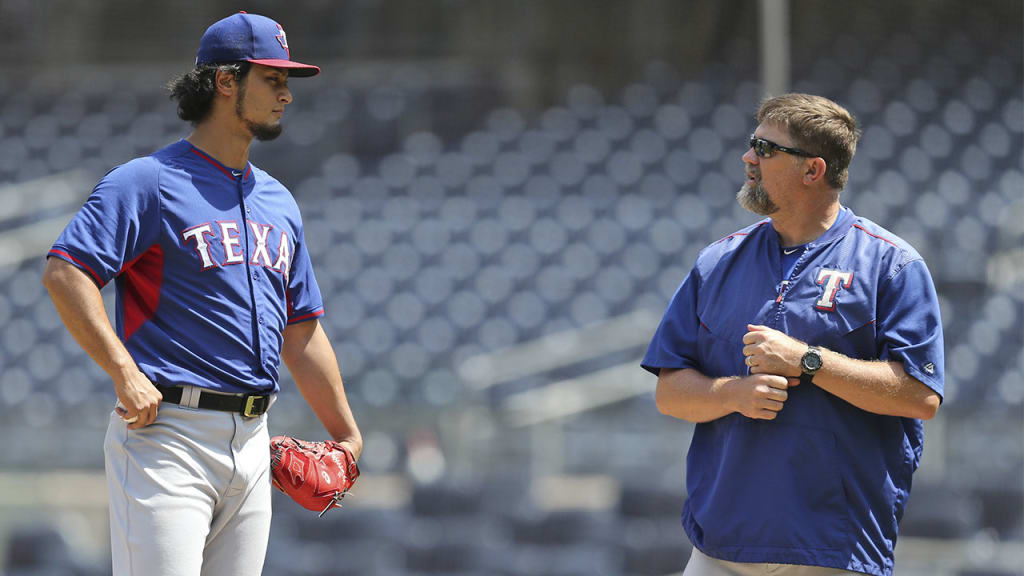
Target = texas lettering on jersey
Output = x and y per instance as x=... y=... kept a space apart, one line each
x=227 y=234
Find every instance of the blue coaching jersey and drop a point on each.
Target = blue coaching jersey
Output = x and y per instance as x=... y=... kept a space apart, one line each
x=210 y=266
x=825 y=483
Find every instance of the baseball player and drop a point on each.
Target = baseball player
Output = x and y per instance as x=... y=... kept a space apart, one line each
x=214 y=288
x=807 y=348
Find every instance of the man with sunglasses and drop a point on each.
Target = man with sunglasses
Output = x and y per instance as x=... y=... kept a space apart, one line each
x=807 y=348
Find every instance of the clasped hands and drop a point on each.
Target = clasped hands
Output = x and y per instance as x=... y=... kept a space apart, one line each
x=774 y=362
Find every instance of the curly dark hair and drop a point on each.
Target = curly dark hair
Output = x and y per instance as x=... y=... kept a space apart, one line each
x=194 y=89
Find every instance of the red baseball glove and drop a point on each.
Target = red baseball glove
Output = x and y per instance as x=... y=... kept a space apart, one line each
x=317 y=475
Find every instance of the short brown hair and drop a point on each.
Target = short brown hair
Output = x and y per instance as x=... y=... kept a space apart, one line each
x=817 y=125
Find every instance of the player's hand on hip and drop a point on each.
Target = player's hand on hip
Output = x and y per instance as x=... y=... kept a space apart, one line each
x=768 y=351
x=138 y=399
x=759 y=396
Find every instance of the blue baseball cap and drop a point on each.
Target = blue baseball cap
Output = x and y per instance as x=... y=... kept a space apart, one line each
x=252 y=38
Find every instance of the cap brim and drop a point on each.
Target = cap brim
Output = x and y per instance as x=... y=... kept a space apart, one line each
x=296 y=69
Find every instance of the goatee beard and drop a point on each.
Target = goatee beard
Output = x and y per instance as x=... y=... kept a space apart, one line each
x=753 y=197
x=261 y=132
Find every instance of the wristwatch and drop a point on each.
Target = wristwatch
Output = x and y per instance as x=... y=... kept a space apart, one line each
x=811 y=361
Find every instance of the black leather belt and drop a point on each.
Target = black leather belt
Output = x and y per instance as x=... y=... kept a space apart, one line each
x=249 y=405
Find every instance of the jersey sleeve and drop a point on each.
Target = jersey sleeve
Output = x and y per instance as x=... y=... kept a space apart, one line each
x=304 y=299
x=675 y=342
x=118 y=222
x=910 y=326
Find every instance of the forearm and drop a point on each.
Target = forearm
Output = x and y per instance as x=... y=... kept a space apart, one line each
x=78 y=301
x=314 y=367
x=689 y=395
x=326 y=396
x=876 y=386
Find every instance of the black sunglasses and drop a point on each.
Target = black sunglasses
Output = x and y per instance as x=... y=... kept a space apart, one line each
x=765 y=148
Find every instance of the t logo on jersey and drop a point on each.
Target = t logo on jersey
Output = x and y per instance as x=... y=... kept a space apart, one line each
x=831 y=280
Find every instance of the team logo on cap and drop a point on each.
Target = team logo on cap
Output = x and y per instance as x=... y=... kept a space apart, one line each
x=283 y=40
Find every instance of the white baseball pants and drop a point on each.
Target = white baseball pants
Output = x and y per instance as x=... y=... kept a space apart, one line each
x=189 y=494
x=701 y=564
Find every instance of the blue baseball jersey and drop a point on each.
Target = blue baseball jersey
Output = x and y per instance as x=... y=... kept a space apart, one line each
x=210 y=265
x=825 y=483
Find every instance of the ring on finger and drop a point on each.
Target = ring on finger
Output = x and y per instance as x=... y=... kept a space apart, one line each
x=749 y=361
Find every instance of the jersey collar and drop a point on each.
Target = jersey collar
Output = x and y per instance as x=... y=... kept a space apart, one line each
x=229 y=172
x=839 y=228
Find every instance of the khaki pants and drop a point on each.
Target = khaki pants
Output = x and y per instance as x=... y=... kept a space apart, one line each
x=703 y=565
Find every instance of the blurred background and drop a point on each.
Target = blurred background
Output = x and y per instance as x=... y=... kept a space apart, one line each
x=500 y=199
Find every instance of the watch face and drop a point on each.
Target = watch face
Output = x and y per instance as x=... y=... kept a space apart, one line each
x=811 y=361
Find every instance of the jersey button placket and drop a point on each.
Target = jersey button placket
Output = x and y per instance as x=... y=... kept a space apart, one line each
x=260 y=337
